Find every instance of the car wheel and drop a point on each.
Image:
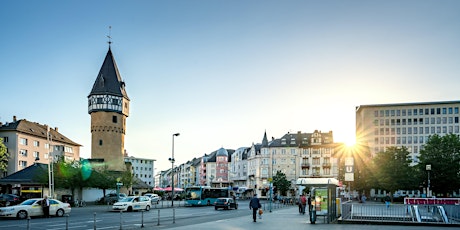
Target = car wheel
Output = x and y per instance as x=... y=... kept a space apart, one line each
x=147 y=208
x=209 y=203
x=7 y=203
x=22 y=214
x=60 y=212
x=130 y=209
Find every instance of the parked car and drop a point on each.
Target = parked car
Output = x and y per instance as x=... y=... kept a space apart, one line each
x=33 y=207
x=225 y=203
x=154 y=198
x=9 y=199
x=111 y=198
x=132 y=203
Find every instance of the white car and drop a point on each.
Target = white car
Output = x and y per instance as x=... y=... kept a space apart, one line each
x=132 y=203
x=33 y=207
x=154 y=198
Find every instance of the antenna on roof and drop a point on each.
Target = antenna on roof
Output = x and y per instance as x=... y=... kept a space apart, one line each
x=109 y=36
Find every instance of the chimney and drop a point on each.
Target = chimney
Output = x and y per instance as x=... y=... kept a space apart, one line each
x=14 y=119
x=56 y=128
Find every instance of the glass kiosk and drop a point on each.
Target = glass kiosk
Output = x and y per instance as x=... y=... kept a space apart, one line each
x=323 y=198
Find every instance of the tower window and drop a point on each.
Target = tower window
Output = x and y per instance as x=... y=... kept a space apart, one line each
x=114 y=119
x=100 y=142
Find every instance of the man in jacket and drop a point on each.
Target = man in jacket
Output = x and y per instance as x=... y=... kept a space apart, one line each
x=254 y=205
x=46 y=206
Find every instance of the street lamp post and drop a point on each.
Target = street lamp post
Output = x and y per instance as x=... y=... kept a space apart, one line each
x=172 y=160
x=50 y=166
x=428 y=168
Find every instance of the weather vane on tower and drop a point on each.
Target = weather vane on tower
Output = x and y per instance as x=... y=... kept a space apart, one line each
x=109 y=36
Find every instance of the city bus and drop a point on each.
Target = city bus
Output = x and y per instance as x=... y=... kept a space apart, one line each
x=204 y=195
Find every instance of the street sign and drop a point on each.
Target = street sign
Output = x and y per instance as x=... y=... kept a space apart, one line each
x=119 y=184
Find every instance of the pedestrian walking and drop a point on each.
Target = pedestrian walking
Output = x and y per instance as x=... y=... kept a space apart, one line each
x=46 y=206
x=254 y=205
x=303 y=201
x=387 y=200
x=363 y=198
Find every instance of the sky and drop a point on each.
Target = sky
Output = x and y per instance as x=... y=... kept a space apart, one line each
x=223 y=72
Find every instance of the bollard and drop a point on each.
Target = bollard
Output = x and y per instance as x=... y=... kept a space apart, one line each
x=174 y=215
x=121 y=220
x=28 y=222
x=158 y=223
x=142 y=225
x=94 y=221
x=67 y=221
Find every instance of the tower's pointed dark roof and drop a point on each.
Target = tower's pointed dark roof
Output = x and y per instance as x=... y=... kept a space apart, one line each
x=265 y=140
x=109 y=80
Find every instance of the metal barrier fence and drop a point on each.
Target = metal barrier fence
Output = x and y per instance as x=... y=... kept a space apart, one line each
x=152 y=218
x=433 y=214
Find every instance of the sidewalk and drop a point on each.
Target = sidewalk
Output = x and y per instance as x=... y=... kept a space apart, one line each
x=289 y=218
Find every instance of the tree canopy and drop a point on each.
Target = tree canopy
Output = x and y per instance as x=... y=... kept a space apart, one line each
x=3 y=157
x=443 y=154
x=281 y=183
x=392 y=170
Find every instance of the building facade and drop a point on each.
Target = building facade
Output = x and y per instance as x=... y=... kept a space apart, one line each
x=29 y=142
x=405 y=124
x=108 y=105
x=297 y=155
x=143 y=169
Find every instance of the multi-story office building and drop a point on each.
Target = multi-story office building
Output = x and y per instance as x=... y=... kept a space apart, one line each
x=405 y=124
x=143 y=168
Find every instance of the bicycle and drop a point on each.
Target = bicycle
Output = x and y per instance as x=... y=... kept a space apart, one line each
x=78 y=203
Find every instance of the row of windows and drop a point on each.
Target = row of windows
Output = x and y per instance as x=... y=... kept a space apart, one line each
x=293 y=151
x=415 y=112
x=417 y=130
x=416 y=121
x=24 y=141
x=140 y=161
x=142 y=168
x=400 y=140
x=143 y=175
x=36 y=154
x=413 y=157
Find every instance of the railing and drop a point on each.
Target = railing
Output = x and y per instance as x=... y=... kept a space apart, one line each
x=433 y=214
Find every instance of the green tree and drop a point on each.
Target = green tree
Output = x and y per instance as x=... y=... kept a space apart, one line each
x=3 y=157
x=281 y=183
x=127 y=178
x=103 y=179
x=443 y=154
x=392 y=169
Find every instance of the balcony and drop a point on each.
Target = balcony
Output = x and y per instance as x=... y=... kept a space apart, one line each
x=326 y=165
x=305 y=165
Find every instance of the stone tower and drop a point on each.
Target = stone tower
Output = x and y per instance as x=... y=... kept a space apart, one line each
x=108 y=105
